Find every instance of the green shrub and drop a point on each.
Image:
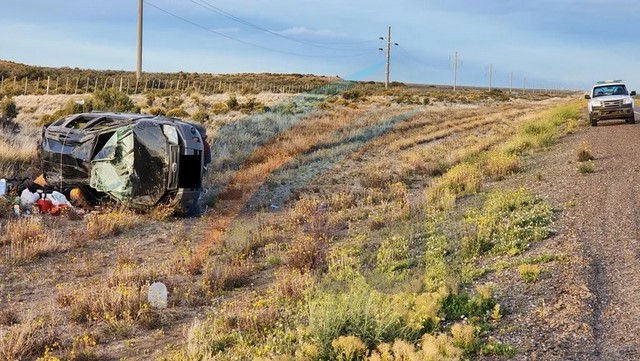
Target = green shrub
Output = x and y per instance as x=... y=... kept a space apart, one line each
x=499 y=165
x=499 y=349
x=156 y=111
x=586 y=167
x=8 y=109
x=510 y=221
x=349 y=348
x=177 y=113
x=529 y=272
x=200 y=116
x=361 y=312
x=220 y=108
x=393 y=255
x=232 y=103
x=251 y=106
x=71 y=107
x=462 y=179
x=112 y=100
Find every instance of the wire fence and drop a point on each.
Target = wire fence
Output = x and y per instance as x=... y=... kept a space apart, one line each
x=84 y=85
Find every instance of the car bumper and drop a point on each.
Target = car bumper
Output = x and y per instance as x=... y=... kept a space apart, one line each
x=602 y=113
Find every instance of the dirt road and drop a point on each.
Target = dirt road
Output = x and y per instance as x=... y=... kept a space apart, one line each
x=610 y=233
x=590 y=311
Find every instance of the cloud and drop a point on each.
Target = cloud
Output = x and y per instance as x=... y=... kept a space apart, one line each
x=303 y=31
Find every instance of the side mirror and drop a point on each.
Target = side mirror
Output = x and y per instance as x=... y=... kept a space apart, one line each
x=633 y=92
x=587 y=96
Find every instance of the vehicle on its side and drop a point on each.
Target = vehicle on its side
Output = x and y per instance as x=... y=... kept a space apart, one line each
x=136 y=159
x=610 y=100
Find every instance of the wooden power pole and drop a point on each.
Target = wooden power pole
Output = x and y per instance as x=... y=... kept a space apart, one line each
x=139 y=66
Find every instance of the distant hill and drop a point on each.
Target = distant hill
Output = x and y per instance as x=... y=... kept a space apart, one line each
x=11 y=70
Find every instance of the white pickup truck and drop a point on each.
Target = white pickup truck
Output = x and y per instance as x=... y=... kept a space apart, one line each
x=610 y=100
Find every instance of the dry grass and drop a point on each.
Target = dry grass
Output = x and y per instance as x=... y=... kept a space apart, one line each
x=111 y=223
x=291 y=285
x=499 y=165
x=27 y=239
x=529 y=272
x=225 y=276
x=8 y=316
x=26 y=340
x=463 y=179
x=112 y=305
x=161 y=212
x=584 y=152
x=307 y=252
x=130 y=274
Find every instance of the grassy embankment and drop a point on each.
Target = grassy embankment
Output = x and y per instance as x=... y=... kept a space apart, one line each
x=364 y=261
x=374 y=272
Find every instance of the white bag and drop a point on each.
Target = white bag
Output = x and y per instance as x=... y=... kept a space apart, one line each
x=57 y=199
x=27 y=199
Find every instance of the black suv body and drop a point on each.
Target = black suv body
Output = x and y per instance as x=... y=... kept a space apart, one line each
x=140 y=160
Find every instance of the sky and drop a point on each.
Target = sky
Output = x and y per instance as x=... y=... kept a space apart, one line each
x=566 y=44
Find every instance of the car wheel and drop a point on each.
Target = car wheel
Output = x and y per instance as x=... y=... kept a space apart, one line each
x=594 y=122
x=631 y=120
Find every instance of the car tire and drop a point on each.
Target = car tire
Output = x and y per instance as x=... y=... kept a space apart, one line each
x=594 y=122
x=631 y=120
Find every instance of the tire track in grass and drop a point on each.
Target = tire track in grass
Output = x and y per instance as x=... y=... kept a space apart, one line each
x=239 y=192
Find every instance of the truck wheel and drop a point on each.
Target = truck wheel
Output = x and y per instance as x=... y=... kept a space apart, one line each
x=632 y=120
x=594 y=122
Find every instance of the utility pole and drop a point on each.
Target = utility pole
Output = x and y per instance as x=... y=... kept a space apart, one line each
x=386 y=82
x=490 y=70
x=456 y=61
x=139 y=67
x=510 y=82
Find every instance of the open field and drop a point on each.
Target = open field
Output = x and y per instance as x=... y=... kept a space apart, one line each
x=380 y=226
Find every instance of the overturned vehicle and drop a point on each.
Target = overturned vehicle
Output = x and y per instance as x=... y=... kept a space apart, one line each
x=139 y=160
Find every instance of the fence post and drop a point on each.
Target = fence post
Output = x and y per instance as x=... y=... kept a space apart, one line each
x=95 y=87
x=2 y=84
x=136 y=90
x=128 y=80
x=48 y=83
x=26 y=81
x=120 y=85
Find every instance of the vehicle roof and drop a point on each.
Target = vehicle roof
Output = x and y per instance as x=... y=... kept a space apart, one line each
x=609 y=84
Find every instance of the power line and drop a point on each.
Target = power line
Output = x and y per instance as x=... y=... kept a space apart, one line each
x=414 y=58
x=202 y=27
x=208 y=6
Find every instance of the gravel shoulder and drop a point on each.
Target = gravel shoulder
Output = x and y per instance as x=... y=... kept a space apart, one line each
x=585 y=308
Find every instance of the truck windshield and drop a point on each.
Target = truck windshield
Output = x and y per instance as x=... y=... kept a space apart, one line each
x=609 y=90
